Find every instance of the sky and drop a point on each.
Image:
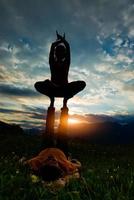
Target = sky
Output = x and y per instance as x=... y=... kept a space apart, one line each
x=101 y=38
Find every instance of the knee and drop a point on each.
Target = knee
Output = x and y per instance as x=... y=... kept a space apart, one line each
x=82 y=84
x=40 y=84
x=36 y=85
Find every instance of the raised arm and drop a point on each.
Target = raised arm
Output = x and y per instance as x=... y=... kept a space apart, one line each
x=51 y=54
x=60 y=39
x=68 y=57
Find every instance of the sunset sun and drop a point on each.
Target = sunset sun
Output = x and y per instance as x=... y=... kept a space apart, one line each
x=73 y=121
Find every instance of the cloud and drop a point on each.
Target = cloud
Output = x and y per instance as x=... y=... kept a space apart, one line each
x=25 y=109
x=12 y=111
x=35 y=109
x=27 y=118
x=13 y=90
x=129 y=85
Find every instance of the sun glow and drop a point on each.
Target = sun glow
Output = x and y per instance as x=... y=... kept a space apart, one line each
x=73 y=121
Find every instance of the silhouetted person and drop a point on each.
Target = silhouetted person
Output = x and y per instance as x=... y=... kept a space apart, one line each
x=58 y=86
x=52 y=164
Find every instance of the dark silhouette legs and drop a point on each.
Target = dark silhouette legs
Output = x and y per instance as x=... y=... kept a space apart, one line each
x=65 y=91
x=60 y=139
x=48 y=135
x=65 y=102
x=52 y=101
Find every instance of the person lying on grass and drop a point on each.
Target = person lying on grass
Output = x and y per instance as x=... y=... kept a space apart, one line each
x=52 y=164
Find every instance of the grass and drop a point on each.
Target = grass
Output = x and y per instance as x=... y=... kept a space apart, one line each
x=107 y=172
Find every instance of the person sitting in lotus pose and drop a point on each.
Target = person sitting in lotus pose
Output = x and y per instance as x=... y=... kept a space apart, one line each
x=58 y=86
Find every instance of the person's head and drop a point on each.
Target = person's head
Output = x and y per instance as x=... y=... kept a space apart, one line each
x=50 y=172
x=60 y=52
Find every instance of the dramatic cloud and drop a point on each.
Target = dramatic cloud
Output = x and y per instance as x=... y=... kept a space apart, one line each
x=16 y=91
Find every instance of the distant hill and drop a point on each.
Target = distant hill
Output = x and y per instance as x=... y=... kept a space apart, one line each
x=33 y=131
x=13 y=129
x=103 y=132
x=100 y=132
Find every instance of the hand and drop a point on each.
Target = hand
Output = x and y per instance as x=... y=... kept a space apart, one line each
x=61 y=38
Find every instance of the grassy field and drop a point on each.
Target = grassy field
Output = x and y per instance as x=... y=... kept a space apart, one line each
x=107 y=172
